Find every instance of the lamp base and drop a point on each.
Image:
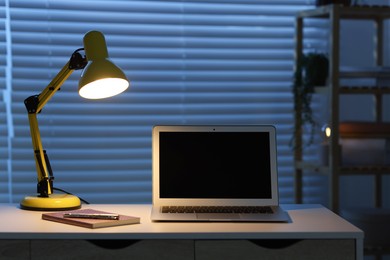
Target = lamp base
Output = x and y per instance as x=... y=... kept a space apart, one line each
x=54 y=202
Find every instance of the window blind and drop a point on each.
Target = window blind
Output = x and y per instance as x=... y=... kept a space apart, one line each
x=189 y=62
x=4 y=147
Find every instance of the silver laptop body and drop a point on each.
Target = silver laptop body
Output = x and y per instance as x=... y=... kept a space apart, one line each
x=215 y=173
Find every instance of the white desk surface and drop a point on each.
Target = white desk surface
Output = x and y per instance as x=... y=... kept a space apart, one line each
x=307 y=222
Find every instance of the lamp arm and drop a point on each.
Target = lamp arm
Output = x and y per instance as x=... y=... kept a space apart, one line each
x=34 y=105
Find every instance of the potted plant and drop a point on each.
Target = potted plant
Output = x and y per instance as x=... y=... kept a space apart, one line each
x=312 y=70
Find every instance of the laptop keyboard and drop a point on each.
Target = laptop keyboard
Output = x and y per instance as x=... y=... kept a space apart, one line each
x=217 y=209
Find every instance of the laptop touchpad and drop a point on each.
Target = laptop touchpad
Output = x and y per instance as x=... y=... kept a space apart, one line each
x=216 y=216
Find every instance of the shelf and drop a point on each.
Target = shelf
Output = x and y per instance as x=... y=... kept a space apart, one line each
x=364 y=90
x=366 y=72
x=312 y=167
x=345 y=170
x=348 y=12
x=324 y=90
x=364 y=130
x=365 y=170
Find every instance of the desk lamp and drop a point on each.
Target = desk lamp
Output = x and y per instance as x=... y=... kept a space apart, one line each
x=99 y=79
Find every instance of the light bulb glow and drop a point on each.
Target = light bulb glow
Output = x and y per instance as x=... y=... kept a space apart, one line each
x=104 y=88
x=328 y=131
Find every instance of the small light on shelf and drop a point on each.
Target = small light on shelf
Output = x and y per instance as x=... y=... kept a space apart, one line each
x=326 y=131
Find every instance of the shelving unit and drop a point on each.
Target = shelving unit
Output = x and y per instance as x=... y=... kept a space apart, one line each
x=340 y=130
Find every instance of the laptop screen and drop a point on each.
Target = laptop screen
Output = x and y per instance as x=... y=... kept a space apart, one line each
x=215 y=164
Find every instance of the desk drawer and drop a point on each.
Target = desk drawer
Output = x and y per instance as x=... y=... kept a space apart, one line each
x=275 y=249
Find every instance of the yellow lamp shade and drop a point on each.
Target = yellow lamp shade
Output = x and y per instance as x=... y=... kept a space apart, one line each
x=100 y=78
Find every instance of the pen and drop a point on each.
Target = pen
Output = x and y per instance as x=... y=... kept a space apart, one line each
x=92 y=215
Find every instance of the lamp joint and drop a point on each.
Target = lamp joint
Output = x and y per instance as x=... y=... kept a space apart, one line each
x=77 y=61
x=31 y=104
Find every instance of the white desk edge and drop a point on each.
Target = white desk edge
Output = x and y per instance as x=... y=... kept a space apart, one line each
x=307 y=222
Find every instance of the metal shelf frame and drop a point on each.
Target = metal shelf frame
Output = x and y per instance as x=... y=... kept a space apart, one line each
x=334 y=14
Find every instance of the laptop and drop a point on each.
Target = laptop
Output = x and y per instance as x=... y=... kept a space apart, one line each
x=215 y=173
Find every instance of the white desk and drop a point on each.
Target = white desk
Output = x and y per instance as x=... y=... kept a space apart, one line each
x=309 y=224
